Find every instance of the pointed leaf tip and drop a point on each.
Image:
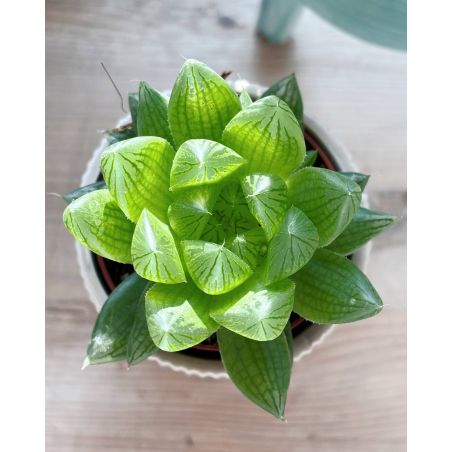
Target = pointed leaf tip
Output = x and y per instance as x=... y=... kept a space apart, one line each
x=331 y=289
x=86 y=363
x=201 y=162
x=178 y=316
x=214 y=268
x=111 y=332
x=154 y=252
x=292 y=246
x=256 y=310
x=329 y=199
x=266 y=196
x=365 y=225
x=287 y=89
x=201 y=103
x=152 y=114
x=268 y=136
x=137 y=174
x=97 y=222
x=260 y=370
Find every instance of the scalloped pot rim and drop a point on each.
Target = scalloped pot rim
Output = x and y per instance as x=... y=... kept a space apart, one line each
x=191 y=365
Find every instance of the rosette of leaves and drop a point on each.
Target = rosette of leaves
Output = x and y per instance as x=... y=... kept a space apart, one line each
x=213 y=199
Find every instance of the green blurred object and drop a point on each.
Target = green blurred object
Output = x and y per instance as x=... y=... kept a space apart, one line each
x=381 y=22
x=277 y=19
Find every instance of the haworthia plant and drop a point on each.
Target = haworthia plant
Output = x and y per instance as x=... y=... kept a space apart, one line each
x=213 y=199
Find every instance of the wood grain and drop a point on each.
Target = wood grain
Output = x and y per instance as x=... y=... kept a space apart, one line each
x=349 y=395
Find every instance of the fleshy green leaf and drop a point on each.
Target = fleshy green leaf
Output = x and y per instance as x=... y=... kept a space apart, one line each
x=78 y=192
x=129 y=130
x=178 y=316
x=114 y=323
x=133 y=107
x=232 y=211
x=200 y=162
x=331 y=289
x=97 y=222
x=255 y=310
x=309 y=159
x=287 y=89
x=260 y=370
x=266 y=196
x=214 y=230
x=120 y=134
x=153 y=114
x=328 y=198
x=213 y=268
x=137 y=174
x=201 y=104
x=268 y=136
x=292 y=246
x=365 y=225
x=249 y=245
x=189 y=214
x=360 y=179
x=140 y=345
x=154 y=252
x=245 y=99
x=289 y=338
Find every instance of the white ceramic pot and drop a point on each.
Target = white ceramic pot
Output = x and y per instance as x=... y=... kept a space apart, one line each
x=191 y=365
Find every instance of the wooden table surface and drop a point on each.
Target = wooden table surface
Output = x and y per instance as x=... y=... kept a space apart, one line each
x=349 y=394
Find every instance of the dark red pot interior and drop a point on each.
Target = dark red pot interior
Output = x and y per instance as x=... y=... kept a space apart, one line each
x=112 y=273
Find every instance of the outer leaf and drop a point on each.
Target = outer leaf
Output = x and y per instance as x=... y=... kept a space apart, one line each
x=129 y=130
x=154 y=253
x=120 y=134
x=260 y=370
x=214 y=269
x=140 y=344
x=137 y=175
x=178 y=316
x=256 y=310
x=287 y=89
x=200 y=162
x=249 y=246
x=365 y=225
x=310 y=158
x=233 y=212
x=331 y=289
x=98 y=223
x=268 y=136
x=289 y=338
x=360 y=179
x=189 y=214
x=245 y=99
x=201 y=104
x=292 y=246
x=152 y=117
x=329 y=200
x=113 y=325
x=78 y=192
x=266 y=196
x=133 y=107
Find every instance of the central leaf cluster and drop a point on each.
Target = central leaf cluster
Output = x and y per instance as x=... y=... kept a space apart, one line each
x=212 y=202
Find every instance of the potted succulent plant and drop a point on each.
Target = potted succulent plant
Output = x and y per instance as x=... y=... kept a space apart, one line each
x=215 y=232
